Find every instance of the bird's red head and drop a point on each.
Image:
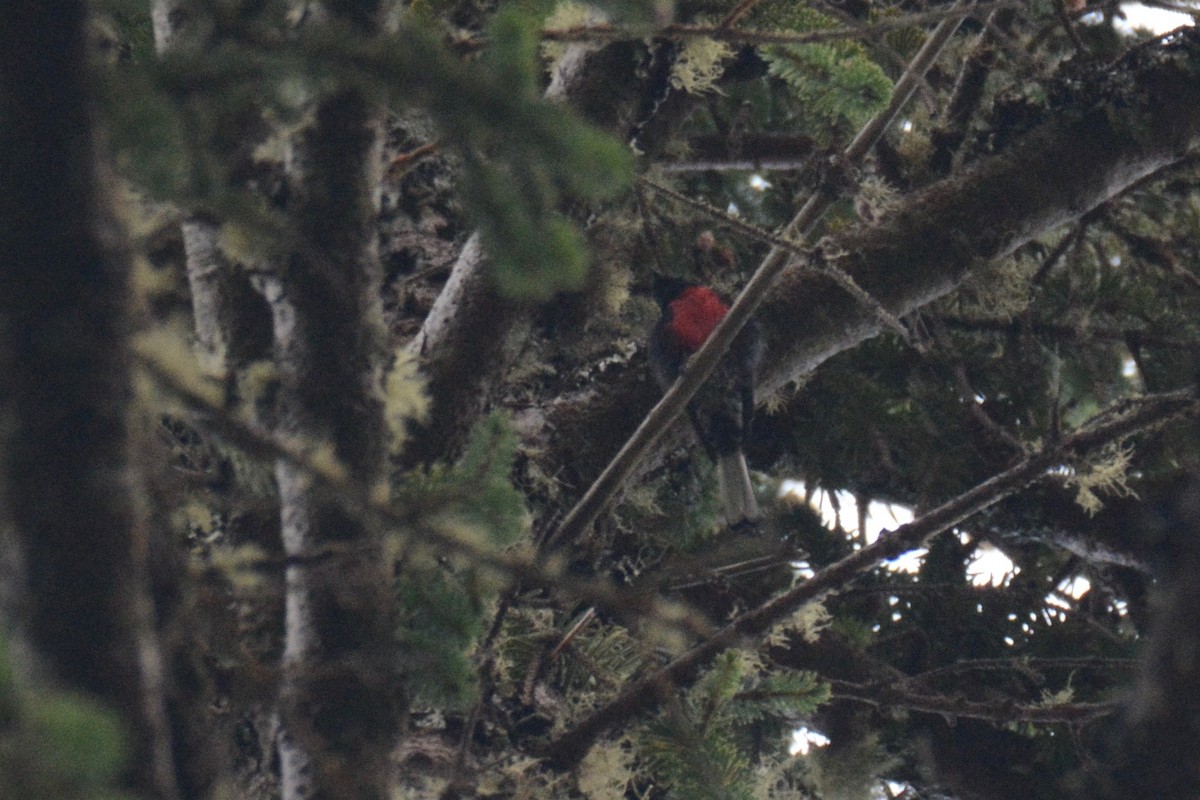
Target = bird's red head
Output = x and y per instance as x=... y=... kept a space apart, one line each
x=694 y=315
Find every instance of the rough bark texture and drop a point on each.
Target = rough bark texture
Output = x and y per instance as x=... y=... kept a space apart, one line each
x=339 y=706
x=70 y=491
x=1146 y=118
x=462 y=342
x=463 y=347
x=230 y=319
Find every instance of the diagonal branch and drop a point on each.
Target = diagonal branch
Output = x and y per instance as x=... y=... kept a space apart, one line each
x=463 y=345
x=1083 y=155
x=725 y=33
x=892 y=696
x=1116 y=423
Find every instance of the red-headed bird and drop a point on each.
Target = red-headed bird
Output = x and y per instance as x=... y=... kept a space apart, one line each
x=723 y=407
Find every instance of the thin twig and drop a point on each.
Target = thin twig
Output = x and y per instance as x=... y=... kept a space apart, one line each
x=583 y=621
x=822 y=266
x=745 y=151
x=613 y=33
x=403 y=163
x=1066 y=243
x=738 y=13
x=743 y=164
x=963 y=383
x=1064 y=17
x=1026 y=665
x=892 y=696
x=1069 y=332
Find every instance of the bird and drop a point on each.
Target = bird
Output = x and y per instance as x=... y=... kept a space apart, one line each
x=722 y=409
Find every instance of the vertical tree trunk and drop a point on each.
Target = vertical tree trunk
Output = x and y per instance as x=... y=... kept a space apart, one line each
x=232 y=329
x=69 y=487
x=339 y=704
x=225 y=309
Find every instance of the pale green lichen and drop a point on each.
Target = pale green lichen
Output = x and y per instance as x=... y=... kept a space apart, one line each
x=808 y=621
x=604 y=773
x=1108 y=473
x=565 y=16
x=405 y=397
x=699 y=65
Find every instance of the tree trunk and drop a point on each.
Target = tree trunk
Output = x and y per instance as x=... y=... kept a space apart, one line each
x=71 y=493
x=340 y=704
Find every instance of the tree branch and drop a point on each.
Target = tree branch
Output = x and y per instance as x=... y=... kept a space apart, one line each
x=467 y=340
x=1081 y=157
x=724 y=33
x=752 y=151
x=1116 y=423
x=361 y=500
x=340 y=704
x=463 y=345
x=1025 y=665
x=1068 y=333
x=893 y=696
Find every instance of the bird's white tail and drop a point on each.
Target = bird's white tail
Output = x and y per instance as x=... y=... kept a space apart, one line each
x=737 y=495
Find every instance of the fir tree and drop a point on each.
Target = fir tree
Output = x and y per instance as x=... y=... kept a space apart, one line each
x=329 y=435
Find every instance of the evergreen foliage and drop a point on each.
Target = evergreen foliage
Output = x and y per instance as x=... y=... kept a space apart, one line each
x=837 y=85
x=178 y=125
x=705 y=747
x=443 y=600
x=932 y=678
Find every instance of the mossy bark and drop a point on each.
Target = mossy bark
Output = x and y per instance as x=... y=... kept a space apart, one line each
x=71 y=492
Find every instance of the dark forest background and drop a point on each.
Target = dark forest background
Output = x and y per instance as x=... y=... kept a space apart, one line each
x=332 y=466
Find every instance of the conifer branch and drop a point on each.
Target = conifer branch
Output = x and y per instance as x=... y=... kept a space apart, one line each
x=702 y=364
x=1057 y=172
x=890 y=695
x=723 y=33
x=750 y=151
x=929 y=245
x=1026 y=665
x=808 y=260
x=472 y=332
x=1070 y=333
x=738 y=13
x=1119 y=421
